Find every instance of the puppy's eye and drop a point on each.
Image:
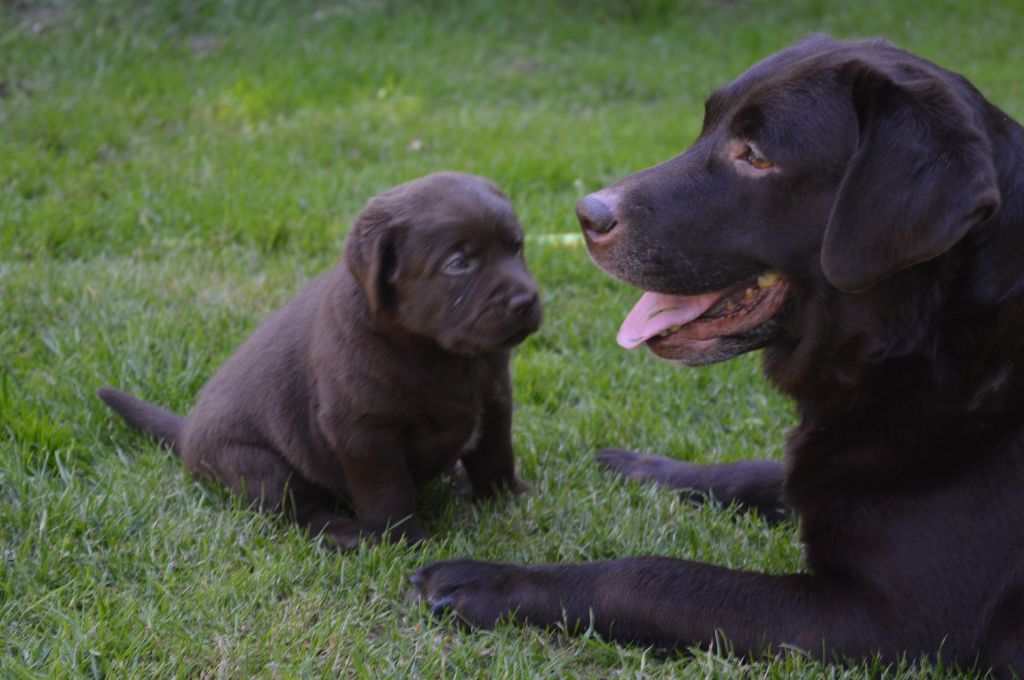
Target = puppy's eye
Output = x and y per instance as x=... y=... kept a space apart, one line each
x=457 y=264
x=756 y=159
x=518 y=246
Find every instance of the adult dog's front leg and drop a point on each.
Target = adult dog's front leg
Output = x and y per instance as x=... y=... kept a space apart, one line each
x=665 y=602
x=754 y=484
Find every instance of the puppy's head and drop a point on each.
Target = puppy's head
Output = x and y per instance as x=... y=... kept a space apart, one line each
x=820 y=173
x=442 y=256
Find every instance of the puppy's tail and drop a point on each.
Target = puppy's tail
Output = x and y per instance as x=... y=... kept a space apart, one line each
x=161 y=425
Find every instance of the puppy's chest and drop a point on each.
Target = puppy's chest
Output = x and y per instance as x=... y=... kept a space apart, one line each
x=475 y=434
x=443 y=434
x=450 y=417
x=448 y=433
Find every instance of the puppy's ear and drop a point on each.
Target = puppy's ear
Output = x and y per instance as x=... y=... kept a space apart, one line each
x=371 y=256
x=921 y=177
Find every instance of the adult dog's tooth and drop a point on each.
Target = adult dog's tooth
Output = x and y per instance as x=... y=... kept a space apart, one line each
x=768 y=279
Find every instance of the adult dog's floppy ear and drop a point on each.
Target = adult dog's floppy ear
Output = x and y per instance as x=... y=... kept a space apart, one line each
x=370 y=254
x=921 y=177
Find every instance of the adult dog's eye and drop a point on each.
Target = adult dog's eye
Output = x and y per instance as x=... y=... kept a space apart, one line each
x=518 y=246
x=458 y=264
x=756 y=159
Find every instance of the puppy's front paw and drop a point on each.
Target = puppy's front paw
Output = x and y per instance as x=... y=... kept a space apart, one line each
x=515 y=486
x=411 y=531
x=519 y=486
x=345 y=535
x=479 y=593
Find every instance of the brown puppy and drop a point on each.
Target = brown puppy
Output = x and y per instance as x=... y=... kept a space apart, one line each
x=380 y=374
x=858 y=212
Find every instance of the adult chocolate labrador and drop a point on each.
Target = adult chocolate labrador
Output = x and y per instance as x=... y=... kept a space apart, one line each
x=380 y=374
x=858 y=212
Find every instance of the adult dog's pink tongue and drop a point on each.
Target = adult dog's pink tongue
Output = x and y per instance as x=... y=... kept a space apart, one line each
x=655 y=313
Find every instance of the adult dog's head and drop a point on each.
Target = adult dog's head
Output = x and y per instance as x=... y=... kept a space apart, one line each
x=441 y=257
x=830 y=172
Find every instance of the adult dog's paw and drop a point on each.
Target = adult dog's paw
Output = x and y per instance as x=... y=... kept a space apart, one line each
x=479 y=593
x=641 y=467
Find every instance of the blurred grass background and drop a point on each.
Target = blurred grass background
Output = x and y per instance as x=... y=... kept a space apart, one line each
x=171 y=171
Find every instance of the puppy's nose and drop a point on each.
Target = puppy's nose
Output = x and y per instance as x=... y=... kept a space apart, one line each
x=523 y=303
x=595 y=215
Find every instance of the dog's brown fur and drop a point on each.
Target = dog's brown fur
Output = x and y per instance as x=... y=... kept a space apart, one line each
x=381 y=374
x=888 y=195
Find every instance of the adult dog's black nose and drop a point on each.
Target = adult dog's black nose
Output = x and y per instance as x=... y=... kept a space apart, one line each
x=595 y=215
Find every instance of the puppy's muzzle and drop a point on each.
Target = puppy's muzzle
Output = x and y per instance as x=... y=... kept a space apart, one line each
x=522 y=312
x=523 y=304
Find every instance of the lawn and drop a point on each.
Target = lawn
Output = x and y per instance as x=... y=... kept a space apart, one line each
x=171 y=171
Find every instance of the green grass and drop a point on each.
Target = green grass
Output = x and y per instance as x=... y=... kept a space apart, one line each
x=171 y=171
